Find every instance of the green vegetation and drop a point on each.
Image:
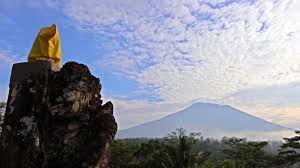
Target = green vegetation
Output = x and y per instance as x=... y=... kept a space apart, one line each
x=290 y=151
x=179 y=150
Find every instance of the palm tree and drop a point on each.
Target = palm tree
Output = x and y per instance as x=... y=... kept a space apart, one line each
x=179 y=146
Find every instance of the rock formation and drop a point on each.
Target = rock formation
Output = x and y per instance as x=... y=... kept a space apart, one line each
x=56 y=119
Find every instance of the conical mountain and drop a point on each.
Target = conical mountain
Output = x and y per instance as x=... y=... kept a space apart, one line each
x=212 y=120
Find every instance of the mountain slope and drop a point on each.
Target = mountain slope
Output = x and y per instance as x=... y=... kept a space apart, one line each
x=209 y=119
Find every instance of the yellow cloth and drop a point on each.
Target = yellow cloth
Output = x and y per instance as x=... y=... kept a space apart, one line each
x=46 y=46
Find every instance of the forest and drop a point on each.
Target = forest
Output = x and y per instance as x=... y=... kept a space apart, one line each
x=182 y=150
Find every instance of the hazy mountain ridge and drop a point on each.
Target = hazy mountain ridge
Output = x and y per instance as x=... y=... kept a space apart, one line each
x=209 y=119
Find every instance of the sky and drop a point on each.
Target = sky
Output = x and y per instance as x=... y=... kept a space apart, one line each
x=155 y=57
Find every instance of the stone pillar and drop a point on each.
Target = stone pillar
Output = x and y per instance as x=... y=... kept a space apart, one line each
x=19 y=127
x=55 y=118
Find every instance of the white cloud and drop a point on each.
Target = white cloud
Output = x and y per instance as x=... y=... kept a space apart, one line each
x=189 y=50
x=7 y=58
x=192 y=49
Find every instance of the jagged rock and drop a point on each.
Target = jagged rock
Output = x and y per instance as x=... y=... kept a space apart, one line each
x=56 y=119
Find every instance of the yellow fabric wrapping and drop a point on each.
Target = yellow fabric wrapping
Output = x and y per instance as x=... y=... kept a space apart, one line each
x=46 y=46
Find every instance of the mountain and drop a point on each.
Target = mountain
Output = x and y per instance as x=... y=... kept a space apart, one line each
x=212 y=120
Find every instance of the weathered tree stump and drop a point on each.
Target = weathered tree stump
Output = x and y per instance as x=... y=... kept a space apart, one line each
x=55 y=119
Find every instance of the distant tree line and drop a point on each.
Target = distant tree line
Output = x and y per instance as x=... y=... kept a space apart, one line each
x=179 y=150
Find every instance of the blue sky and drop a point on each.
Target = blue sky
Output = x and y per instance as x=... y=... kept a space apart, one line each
x=156 y=57
x=21 y=28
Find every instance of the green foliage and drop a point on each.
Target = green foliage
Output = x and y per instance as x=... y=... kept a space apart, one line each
x=179 y=148
x=153 y=154
x=218 y=164
x=227 y=164
x=122 y=155
x=246 y=154
x=182 y=150
x=174 y=151
x=208 y=164
x=290 y=150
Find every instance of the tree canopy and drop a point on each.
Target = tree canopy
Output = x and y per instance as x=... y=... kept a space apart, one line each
x=182 y=150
